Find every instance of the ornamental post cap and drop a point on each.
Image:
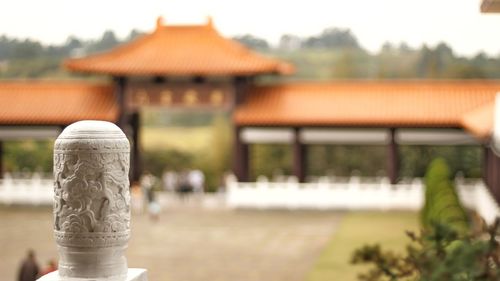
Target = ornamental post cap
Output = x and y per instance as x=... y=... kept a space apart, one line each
x=93 y=129
x=210 y=22
x=159 y=22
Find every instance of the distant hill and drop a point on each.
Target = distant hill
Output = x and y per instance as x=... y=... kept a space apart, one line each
x=332 y=54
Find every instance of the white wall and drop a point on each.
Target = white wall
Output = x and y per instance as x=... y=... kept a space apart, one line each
x=31 y=191
x=352 y=194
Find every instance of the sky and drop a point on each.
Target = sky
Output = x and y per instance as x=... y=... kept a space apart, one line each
x=456 y=22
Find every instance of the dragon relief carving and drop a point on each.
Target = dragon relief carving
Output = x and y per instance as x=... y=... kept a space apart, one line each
x=91 y=192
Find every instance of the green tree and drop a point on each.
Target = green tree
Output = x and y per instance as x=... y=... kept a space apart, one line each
x=442 y=204
x=252 y=42
x=219 y=153
x=270 y=159
x=333 y=38
x=28 y=156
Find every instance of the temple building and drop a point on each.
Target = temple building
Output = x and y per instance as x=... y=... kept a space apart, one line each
x=177 y=66
x=195 y=67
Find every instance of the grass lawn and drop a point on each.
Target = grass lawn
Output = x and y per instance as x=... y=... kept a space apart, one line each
x=356 y=229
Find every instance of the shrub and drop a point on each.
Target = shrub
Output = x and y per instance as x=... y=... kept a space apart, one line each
x=437 y=253
x=156 y=161
x=442 y=205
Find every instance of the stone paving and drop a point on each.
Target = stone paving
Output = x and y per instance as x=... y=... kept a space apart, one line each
x=191 y=244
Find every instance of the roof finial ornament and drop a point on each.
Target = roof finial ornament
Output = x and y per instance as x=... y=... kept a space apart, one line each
x=210 y=22
x=159 y=22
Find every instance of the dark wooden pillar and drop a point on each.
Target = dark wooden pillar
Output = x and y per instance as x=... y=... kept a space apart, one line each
x=299 y=157
x=120 y=88
x=494 y=175
x=240 y=157
x=241 y=85
x=241 y=161
x=491 y=170
x=486 y=165
x=135 y=124
x=1 y=159
x=392 y=157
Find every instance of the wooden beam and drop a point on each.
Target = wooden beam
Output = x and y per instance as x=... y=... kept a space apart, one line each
x=392 y=157
x=439 y=136
x=30 y=132
x=345 y=136
x=267 y=135
x=299 y=157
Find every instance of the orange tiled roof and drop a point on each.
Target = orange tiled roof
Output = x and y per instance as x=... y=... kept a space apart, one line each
x=180 y=50
x=365 y=103
x=55 y=103
x=479 y=121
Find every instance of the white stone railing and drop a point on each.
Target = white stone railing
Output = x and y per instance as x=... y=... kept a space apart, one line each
x=354 y=193
x=475 y=195
x=343 y=194
x=36 y=190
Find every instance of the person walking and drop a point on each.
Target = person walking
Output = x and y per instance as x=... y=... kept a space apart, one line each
x=29 y=268
x=147 y=183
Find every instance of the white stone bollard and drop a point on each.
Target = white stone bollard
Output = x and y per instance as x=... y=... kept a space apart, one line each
x=92 y=203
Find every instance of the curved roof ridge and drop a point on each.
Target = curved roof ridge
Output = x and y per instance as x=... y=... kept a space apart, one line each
x=180 y=50
x=479 y=120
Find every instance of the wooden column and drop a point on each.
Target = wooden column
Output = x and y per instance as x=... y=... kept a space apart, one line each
x=120 y=87
x=1 y=159
x=135 y=124
x=486 y=165
x=240 y=157
x=491 y=173
x=494 y=175
x=240 y=149
x=299 y=157
x=241 y=84
x=491 y=170
x=392 y=157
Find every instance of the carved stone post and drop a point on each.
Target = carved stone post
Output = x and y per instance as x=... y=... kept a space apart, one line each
x=92 y=200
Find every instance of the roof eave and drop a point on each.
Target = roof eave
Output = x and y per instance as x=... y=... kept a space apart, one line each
x=490 y=6
x=278 y=70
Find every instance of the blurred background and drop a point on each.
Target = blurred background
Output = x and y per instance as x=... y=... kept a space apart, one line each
x=245 y=164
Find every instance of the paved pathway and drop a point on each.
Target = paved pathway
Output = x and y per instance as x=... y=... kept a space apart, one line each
x=191 y=244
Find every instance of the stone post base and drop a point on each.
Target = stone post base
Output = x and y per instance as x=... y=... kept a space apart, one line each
x=133 y=274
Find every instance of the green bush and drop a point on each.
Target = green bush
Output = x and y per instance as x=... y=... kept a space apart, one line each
x=28 y=156
x=442 y=204
x=213 y=159
x=445 y=249
x=158 y=160
x=437 y=253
